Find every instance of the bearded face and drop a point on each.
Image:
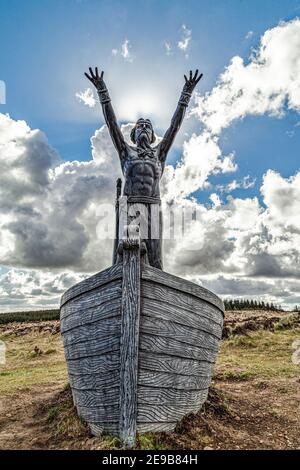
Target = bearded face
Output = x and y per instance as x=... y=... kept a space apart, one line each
x=142 y=134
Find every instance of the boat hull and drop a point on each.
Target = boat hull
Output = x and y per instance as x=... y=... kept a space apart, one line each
x=179 y=331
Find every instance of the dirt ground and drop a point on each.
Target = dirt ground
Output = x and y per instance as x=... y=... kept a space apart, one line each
x=254 y=401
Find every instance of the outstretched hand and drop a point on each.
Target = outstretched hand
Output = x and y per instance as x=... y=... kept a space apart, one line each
x=96 y=80
x=191 y=82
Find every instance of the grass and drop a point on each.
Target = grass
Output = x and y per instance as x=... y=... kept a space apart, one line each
x=261 y=358
x=26 y=367
x=262 y=354
x=37 y=315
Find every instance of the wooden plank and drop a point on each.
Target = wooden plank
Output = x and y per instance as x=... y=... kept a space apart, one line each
x=130 y=320
x=101 y=414
x=112 y=428
x=95 y=364
x=92 y=332
x=156 y=427
x=94 y=381
x=184 y=301
x=146 y=413
x=171 y=364
x=175 y=381
x=164 y=413
x=98 y=429
x=110 y=309
x=92 y=348
x=161 y=396
x=93 y=398
x=95 y=298
x=109 y=274
x=162 y=310
x=156 y=275
x=172 y=347
x=182 y=333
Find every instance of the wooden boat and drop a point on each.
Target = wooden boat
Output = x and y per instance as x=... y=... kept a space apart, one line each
x=140 y=346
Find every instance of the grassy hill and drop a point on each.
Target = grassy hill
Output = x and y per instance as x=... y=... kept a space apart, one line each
x=253 y=401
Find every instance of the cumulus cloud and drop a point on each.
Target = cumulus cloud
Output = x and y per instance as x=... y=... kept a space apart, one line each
x=268 y=84
x=86 y=97
x=49 y=209
x=202 y=157
x=34 y=289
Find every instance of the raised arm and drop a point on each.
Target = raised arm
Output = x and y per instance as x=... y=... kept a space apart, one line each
x=109 y=115
x=168 y=139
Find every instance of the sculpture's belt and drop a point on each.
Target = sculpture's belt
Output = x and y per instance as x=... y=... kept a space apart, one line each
x=143 y=200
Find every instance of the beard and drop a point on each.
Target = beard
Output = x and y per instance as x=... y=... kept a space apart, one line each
x=143 y=141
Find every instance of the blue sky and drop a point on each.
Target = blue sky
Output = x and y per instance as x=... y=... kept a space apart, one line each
x=45 y=48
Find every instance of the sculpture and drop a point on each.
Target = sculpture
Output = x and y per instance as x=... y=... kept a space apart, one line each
x=140 y=344
x=143 y=164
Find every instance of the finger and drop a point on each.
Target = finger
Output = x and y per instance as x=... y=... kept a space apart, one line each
x=191 y=75
x=87 y=76
x=195 y=76
x=199 y=78
x=91 y=72
x=96 y=70
x=185 y=78
x=102 y=73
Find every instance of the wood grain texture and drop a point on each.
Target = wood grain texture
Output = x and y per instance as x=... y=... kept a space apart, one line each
x=182 y=285
x=98 y=429
x=101 y=414
x=170 y=312
x=93 y=332
x=140 y=352
x=171 y=364
x=182 y=333
x=167 y=295
x=95 y=364
x=156 y=427
x=94 y=381
x=161 y=396
x=95 y=298
x=129 y=346
x=165 y=413
x=110 y=309
x=172 y=347
x=175 y=381
x=92 y=398
x=107 y=344
x=146 y=413
x=99 y=279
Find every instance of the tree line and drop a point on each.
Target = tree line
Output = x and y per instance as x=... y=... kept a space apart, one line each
x=246 y=304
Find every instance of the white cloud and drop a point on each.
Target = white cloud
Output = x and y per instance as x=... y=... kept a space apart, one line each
x=48 y=209
x=124 y=51
x=186 y=37
x=267 y=84
x=86 y=97
x=202 y=157
x=245 y=183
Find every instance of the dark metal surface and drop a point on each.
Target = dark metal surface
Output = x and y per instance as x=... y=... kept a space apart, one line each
x=143 y=163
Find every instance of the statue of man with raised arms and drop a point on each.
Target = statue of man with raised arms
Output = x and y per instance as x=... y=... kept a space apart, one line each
x=143 y=163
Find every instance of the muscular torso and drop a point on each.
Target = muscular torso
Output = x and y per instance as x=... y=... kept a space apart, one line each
x=142 y=173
